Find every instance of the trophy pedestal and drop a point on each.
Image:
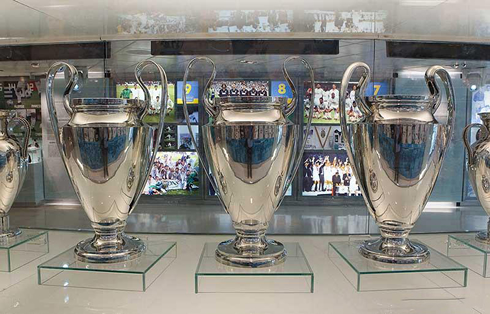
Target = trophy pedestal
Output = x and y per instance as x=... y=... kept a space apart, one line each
x=266 y=254
x=292 y=275
x=365 y=274
x=135 y=275
x=19 y=250
x=470 y=251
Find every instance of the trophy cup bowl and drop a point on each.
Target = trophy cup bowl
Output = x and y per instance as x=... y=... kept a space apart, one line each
x=107 y=151
x=252 y=152
x=479 y=168
x=13 y=169
x=397 y=150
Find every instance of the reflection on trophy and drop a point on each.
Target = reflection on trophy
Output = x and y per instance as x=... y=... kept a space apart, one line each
x=252 y=154
x=107 y=151
x=397 y=149
x=13 y=168
x=479 y=167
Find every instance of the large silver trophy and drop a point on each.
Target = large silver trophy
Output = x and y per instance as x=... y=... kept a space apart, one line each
x=108 y=152
x=479 y=167
x=396 y=150
x=13 y=169
x=252 y=154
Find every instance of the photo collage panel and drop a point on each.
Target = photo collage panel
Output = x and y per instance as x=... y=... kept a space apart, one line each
x=174 y=173
x=328 y=174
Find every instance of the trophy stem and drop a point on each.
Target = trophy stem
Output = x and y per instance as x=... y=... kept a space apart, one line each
x=109 y=245
x=5 y=231
x=250 y=248
x=484 y=236
x=394 y=250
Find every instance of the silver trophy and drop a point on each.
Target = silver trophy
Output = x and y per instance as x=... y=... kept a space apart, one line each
x=396 y=149
x=479 y=167
x=14 y=160
x=252 y=154
x=108 y=152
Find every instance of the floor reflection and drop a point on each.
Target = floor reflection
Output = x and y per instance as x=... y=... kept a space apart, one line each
x=211 y=219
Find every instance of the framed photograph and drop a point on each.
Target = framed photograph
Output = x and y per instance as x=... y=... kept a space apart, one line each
x=325 y=100
x=174 y=173
x=328 y=174
x=184 y=141
x=131 y=90
x=229 y=88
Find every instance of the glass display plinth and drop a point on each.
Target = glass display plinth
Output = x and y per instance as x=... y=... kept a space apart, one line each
x=293 y=275
x=465 y=249
x=365 y=274
x=23 y=249
x=135 y=275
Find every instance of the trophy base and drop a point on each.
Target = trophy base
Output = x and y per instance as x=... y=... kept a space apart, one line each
x=252 y=256
x=126 y=248
x=10 y=233
x=483 y=237
x=394 y=251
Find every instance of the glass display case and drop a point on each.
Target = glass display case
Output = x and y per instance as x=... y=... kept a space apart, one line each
x=324 y=182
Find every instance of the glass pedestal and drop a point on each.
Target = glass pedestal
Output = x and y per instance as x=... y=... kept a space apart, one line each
x=365 y=274
x=465 y=249
x=136 y=275
x=293 y=275
x=23 y=249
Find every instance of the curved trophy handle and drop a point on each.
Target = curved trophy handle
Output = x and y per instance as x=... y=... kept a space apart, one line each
x=209 y=106
x=362 y=84
x=27 y=134
x=291 y=106
x=466 y=141
x=290 y=109
x=210 y=109
x=72 y=82
x=430 y=79
x=163 y=112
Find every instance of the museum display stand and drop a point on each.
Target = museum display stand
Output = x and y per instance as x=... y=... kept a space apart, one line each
x=135 y=275
x=365 y=274
x=23 y=249
x=293 y=275
x=465 y=249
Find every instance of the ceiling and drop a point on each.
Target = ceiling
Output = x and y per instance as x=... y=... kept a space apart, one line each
x=27 y=21
x=51 y=21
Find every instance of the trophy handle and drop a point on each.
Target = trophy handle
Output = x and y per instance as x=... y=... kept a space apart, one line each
x=211 y=109
x=466 y=140
x=209 y=105
x=430 y=79
x=163 y=111
x=361 y=87
x=27 y=134
x=289 y=108
x=72 y=82
x=362 y=84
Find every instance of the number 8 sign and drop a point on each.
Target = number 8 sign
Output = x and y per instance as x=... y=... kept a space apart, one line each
x=281 y=89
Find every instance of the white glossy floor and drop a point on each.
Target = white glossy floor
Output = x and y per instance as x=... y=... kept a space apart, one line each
x=173 y=291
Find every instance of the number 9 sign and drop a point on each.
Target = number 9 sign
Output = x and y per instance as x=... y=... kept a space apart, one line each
x=191 y=91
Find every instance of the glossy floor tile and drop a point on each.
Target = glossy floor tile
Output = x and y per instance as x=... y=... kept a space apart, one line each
x=173 y=291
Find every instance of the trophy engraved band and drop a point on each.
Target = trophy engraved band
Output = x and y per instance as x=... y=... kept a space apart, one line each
x=107 y=151
x=397 y=149
x=252 y=152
